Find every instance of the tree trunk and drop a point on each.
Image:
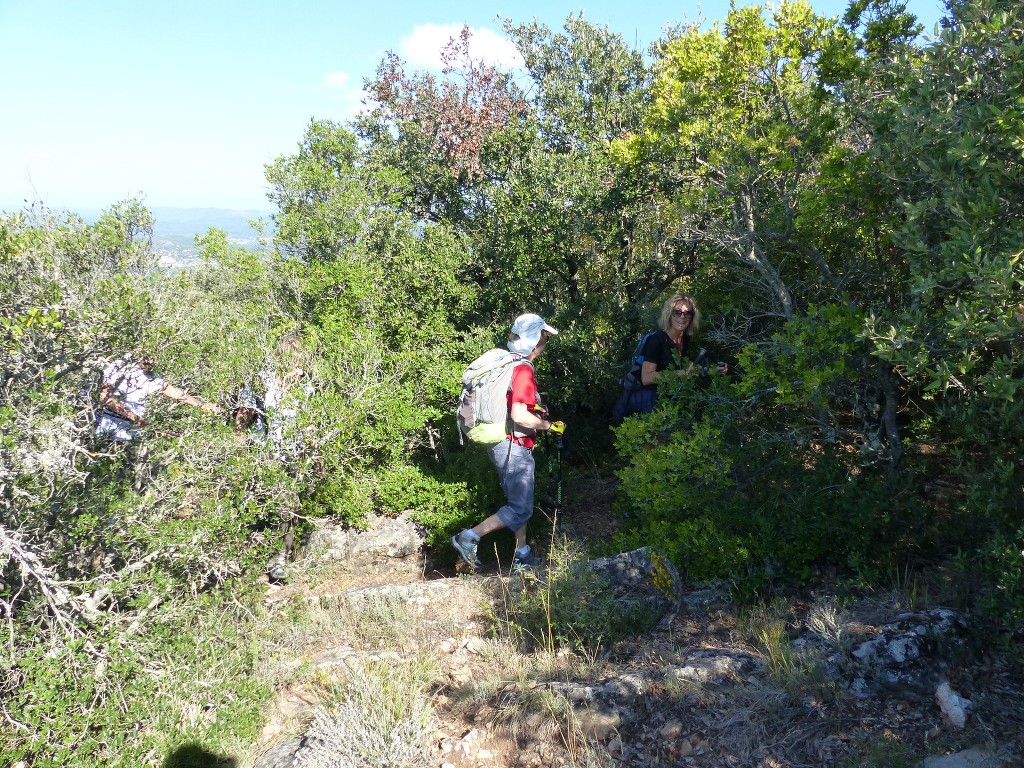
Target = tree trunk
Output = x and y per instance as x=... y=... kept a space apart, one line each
x=890 y=422
x=752 y=253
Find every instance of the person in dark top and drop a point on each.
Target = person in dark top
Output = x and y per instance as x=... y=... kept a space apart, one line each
x=664 y=349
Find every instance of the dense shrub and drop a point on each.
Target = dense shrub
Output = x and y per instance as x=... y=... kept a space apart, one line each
x=569 y=605
x=762 y=513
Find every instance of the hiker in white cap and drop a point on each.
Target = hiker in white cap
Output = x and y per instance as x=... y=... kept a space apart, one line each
x=513 y=457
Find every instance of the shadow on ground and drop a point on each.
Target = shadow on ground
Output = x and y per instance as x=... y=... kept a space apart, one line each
x=194 y=756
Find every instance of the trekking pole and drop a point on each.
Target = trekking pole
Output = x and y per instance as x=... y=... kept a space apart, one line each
x=559 y=444
x=559 y=429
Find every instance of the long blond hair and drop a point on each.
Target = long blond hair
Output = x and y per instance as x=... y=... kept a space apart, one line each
x=665 y=321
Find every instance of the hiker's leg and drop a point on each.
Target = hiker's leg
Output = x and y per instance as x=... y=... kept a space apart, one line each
x=516 y=469
x=491 y=524
x=285 y=530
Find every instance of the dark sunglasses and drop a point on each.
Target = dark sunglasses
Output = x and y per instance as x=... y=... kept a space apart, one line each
x=682 y=313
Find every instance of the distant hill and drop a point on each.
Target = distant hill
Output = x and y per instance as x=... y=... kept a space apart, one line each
x=175 y=229
x=193 y=221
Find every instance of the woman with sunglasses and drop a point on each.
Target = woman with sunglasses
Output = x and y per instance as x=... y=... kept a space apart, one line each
x=665 y=349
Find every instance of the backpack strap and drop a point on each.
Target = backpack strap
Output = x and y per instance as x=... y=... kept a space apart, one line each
x=632 y=379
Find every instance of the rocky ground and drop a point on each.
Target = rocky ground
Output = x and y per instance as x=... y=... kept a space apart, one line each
x=812 y=682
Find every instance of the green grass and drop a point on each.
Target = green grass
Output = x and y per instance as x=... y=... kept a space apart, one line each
x=187 y=677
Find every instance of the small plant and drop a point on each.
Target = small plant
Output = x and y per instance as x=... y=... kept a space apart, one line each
x=883 y=753
x=771 y=638
x=765 y=628
x=379 y=715
x=377 y=620
x=825 y=620
x=569 y=606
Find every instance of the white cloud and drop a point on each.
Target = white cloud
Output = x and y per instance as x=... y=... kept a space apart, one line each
x=422 y=48
x=340 y=80
x=346 y=94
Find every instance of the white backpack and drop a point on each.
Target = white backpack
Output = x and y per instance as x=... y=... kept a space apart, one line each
x=483 y=405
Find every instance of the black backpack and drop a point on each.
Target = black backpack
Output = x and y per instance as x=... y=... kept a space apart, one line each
x=631 y=381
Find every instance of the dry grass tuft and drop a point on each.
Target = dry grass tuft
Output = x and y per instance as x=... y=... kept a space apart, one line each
x=380 y=715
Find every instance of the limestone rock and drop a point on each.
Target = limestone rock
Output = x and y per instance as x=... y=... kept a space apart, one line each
x=281 y=755
x=975 y=757
x=643 y=576
x=909 y=656
x=386 y=537
x=954 y=706
x=714 y=666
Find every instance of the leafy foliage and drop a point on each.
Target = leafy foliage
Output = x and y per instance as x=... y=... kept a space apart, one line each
x=568 y=607
x=738 y=127
x=957 y=335
x=843 y=198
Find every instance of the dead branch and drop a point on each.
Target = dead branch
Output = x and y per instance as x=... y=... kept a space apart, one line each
x=60 y=602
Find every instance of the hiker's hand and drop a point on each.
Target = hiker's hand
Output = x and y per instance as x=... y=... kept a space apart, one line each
x=722 y=368
x=210 y=407
x=558 y=427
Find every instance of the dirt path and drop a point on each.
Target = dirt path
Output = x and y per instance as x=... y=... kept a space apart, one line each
x=706 y=690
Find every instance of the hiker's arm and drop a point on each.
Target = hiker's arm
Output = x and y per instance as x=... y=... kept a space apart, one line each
x=180 y=395
x=527 y=419
x=649 y=372
x=293 y=375
x=116 y=407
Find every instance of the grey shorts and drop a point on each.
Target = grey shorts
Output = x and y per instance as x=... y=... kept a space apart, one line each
x=516 y=470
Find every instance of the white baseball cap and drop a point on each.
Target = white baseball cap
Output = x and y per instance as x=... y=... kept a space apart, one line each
x=528 y=328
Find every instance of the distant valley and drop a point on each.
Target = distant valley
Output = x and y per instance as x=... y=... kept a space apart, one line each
x=175 y=229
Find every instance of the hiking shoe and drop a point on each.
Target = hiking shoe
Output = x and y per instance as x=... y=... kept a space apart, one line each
x=277 y=574
x=525 y=561
x=467 y=551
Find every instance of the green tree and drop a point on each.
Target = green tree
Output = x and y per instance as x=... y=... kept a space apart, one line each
x=531 y=190
x=757 y=141
x=93 y=566
x=71 y=292
x=738 y=128
x=429 y=134
x=381 y=298
x=952 y=144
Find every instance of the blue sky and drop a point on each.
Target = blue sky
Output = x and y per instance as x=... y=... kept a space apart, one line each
x=184 y=103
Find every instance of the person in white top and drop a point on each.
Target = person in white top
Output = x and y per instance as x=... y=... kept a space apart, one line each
x=267 y=410
x=124 y=387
